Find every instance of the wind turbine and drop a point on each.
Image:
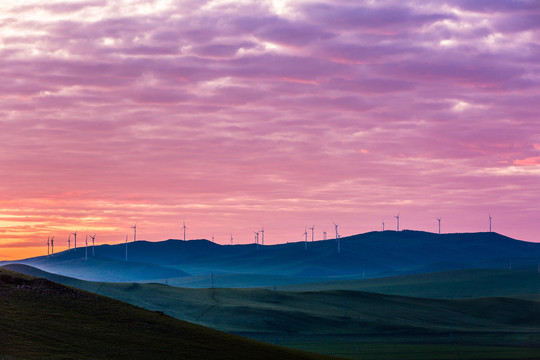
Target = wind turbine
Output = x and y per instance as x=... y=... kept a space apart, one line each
x=86 y=249
x=257 y=239
x=69 y=242
x=312 y=228
x=337 y=238
x=134 y=227
x=231 y=239
x=305 y=238
x=75 y=236
x=383 y=225
x=397 y=217
x=262 y=240
x=184 y=227
x=324 y=235
x=93 y=238
x=212 y=237
x=52 y=246
x=48 y=245
x=439 y=220
x=490 y=222
x=126 y=246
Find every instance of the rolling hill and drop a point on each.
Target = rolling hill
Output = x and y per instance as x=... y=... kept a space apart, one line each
x=374 y=254
x=316 y=310
x=454 y=284
x=45 y=320
x=101 y=268
x=361 y=324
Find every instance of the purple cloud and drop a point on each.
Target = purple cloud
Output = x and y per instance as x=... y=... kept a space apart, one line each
x=230 y=114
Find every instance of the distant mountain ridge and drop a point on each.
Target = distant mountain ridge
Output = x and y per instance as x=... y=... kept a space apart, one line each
x=372 y=254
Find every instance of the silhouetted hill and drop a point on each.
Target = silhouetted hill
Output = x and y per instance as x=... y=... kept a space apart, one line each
x=374 y=254
x=45 y=320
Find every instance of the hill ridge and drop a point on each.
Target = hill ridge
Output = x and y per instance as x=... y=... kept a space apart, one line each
x=372 y=254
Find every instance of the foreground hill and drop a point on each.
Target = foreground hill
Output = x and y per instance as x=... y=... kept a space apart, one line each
x=359 y=324
x=46 y=320
x=375 y=254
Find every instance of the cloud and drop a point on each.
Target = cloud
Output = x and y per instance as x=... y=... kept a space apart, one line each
x=490 y=6
x=237 y=113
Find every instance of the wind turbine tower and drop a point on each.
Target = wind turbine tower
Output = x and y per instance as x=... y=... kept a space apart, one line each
x=305 y=238
x=439 y=220
x=231 y=239
x=490 y=222
x=262 y=240
x=324 y=235
x=134 y=227
x=52 y=246
x=86 y=249
x=93 y=238
x=397 y=217
x=48 y=246
x=312 y=232
x=75 y=237
x=184 y=227
x=257 y=239
x=383 y=225
x=337 y=238
x=69 y=242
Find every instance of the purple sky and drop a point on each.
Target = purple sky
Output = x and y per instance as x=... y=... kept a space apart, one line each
x=234 y=115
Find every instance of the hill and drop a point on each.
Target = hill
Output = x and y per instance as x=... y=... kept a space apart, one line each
x=45 y=320
x=374 y=254
x=353 y=323
x=318 y=311
x=101 y=268
x=473 y=283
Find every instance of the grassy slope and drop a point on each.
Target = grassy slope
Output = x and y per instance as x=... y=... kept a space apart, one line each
x=45 y=320
x=450 y=284
x=372 y=326
x=320 y=312
x=445 y=285
x=229 y=280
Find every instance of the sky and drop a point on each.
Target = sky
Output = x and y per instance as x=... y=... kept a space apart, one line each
x=238 y=115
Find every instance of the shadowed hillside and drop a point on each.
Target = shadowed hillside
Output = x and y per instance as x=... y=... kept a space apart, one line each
x=46 y=320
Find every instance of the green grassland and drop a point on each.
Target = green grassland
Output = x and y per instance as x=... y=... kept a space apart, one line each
x=448 y=284
x=45 y=320
x=442 y=285
x=237 y=280
x=392 y=351
x=501 y=320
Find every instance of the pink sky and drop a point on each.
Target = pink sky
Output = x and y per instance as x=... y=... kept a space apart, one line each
x=234 y=115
